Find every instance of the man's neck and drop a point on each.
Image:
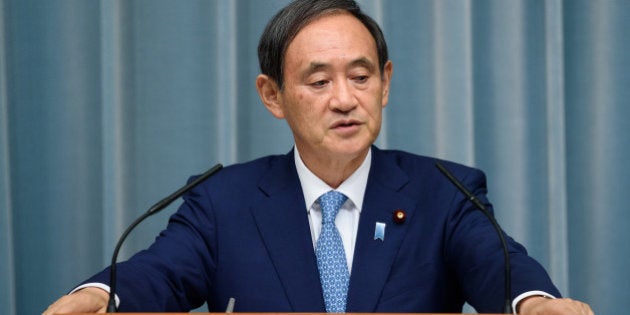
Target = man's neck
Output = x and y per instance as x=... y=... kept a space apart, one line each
x=333 y=170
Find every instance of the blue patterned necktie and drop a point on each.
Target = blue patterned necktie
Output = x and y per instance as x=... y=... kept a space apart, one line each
x=331 y=258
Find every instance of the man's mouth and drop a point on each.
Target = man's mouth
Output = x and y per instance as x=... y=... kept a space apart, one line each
x=345 y=124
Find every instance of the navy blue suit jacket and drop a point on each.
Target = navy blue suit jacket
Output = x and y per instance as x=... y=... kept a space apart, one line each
x=244 y=233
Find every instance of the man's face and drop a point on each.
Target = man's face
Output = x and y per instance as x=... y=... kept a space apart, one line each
x=333 y=92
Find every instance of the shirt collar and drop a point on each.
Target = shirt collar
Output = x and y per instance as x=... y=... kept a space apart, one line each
x=313 y=186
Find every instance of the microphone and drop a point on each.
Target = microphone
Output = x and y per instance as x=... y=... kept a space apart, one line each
x=507 y=276
x=111 y=306
x=230 y=306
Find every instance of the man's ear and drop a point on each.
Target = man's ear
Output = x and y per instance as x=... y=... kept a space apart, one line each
x=269 y=93
x=387 y=80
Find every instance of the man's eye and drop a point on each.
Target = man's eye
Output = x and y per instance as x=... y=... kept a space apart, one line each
x=361 y=78
x=319 y=83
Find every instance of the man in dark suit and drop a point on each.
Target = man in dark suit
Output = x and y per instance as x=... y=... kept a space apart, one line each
x=405 y=239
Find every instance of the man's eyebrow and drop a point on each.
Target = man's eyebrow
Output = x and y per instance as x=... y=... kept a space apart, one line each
x=313 y=67
x=316 y=66
x=363 y=62
x=359 y=62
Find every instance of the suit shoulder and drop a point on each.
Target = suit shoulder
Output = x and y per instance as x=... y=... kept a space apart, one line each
x=254 y=168
x=411 y=162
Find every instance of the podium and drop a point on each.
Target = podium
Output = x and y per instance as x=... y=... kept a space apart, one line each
x=275 y=313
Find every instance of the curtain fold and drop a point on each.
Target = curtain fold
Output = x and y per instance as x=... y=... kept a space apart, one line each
x=597 y=120
x=107 y=106
x=556 y=207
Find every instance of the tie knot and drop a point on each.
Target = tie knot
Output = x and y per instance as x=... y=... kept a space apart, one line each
x=330 y=203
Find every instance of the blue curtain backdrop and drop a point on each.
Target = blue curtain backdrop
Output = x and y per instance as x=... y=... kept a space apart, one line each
x=106 y=106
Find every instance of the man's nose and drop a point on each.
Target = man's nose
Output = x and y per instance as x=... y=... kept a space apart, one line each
x=343 y=98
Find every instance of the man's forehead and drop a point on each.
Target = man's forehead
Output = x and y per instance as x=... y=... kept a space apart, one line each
x=328 y=25
x=330 y=32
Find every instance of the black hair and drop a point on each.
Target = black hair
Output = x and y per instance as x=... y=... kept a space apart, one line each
x=285 y=25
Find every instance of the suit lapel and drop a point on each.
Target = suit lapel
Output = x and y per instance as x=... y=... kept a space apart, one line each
x=374 y=258
x=283 y=224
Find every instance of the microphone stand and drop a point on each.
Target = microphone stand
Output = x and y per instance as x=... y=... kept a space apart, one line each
x=111 y=306
x=507 y=274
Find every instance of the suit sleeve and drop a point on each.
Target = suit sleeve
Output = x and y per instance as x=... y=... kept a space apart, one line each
x=474 y=252
x=175 y=273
